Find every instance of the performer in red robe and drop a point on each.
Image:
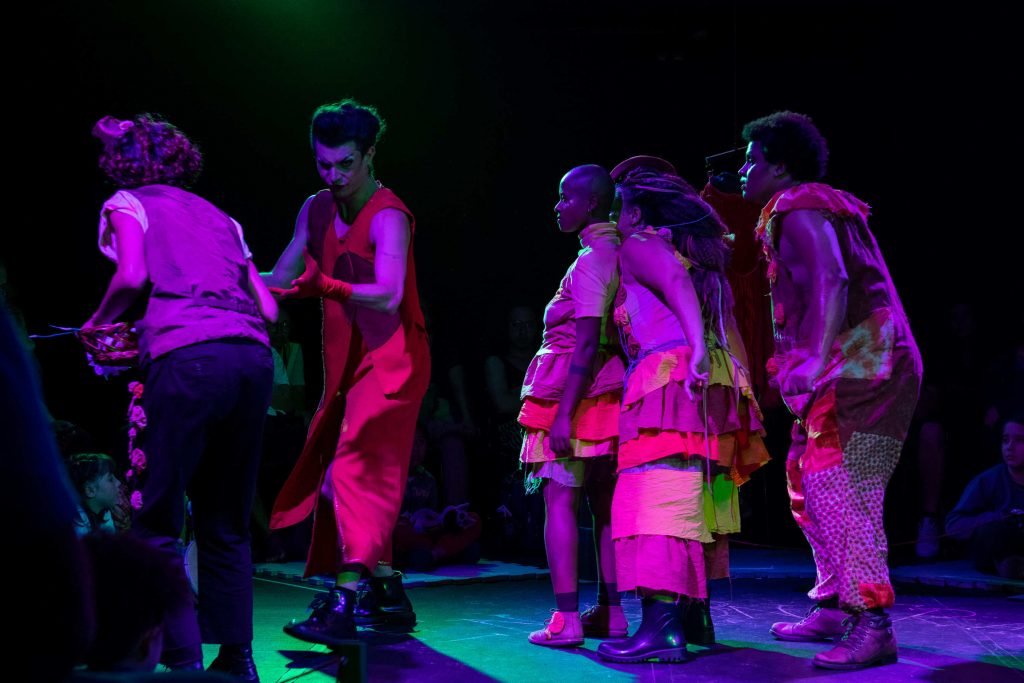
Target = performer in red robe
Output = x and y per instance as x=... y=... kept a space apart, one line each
x=355 y=241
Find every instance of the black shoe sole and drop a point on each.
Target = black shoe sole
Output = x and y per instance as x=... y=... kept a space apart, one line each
x=673 y=656
x=318 y=638
x=390 y=622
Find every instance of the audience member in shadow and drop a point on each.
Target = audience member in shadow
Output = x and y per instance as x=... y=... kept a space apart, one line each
x=514 y=522
x=54 y=631
x=450 y=411
x=99 y=492
x=990 y=514
x=135 y=586
x=448 y=434
x=948 y=421
x=284 y=434
x=425 y=538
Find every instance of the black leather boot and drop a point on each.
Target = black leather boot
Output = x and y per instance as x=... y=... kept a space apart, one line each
x=382 y=602
x=236 y=660
x=696 y=617
x=332 y=621
x=660 y=637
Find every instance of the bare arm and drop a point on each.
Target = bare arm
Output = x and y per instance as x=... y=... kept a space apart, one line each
x=390 y=233
x=975 y=509
x=265 y=301
x=131 y=276
x=809 y=246
x=657 y=269
x=289 y=263
x=581 y=369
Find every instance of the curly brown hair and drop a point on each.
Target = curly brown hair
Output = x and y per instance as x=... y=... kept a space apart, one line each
x=793 y=139
x=145 y=150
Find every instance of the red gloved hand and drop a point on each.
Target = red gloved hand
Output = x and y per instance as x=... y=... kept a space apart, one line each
x=313 y=283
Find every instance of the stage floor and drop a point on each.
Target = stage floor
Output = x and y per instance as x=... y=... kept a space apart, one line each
x=473 y=626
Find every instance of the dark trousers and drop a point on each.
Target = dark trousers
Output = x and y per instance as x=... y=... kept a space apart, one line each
x=205 y=405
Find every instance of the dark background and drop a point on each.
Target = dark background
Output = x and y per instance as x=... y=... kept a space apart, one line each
x=487 y=106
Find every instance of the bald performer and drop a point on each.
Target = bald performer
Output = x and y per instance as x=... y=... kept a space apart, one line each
x=570 y=411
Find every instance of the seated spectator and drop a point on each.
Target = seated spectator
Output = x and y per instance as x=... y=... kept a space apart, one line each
x=990 y=514
x=447 y=436
x=425 y=538
x=515 y=520
x=284 y=433
x=99 y=492
x=446 y=414
x=289 y=391
x=54 y=625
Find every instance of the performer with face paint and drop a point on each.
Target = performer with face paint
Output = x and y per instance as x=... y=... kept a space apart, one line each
x=353 y=249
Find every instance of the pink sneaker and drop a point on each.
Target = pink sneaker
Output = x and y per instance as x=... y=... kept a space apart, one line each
x=562 y=630
x=868 y=641
x=604 y=621
x=821 y=623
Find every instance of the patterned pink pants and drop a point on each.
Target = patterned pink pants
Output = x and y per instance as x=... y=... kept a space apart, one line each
x=839 y=509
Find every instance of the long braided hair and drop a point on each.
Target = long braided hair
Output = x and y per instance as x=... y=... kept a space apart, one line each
x=667 y=201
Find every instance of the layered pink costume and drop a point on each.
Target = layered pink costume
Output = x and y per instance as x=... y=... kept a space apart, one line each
x=667 y=441
x=352 y=471
x=850 y=430
x=587 y=290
